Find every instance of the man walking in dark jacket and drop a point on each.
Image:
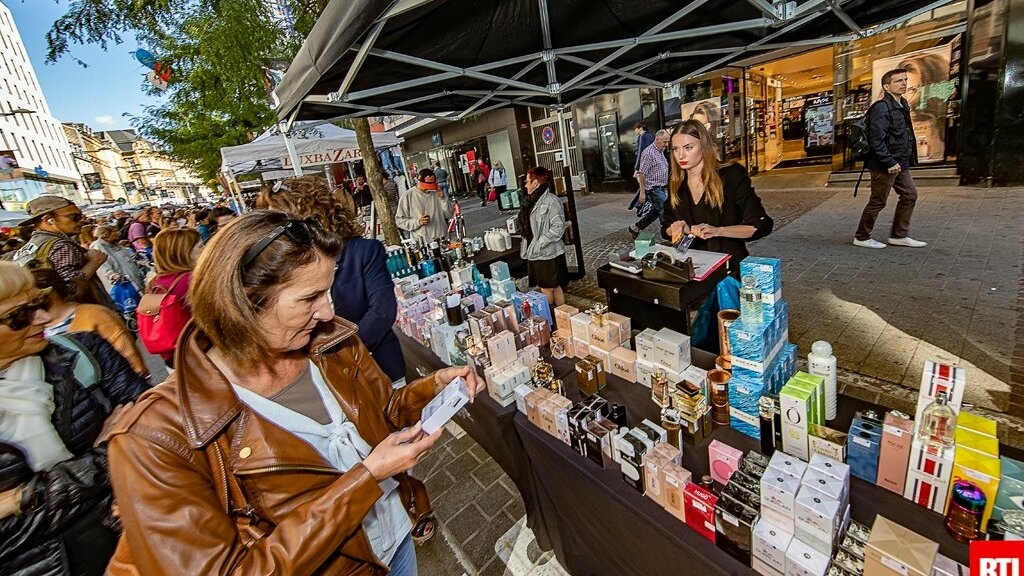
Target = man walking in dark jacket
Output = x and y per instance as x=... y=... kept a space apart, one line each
x=893 y=152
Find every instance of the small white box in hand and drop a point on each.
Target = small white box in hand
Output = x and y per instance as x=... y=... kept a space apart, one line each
x=441 y=409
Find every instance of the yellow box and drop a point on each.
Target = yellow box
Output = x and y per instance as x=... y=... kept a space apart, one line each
x=980 y=424
x=967 y=438
x=980 y=469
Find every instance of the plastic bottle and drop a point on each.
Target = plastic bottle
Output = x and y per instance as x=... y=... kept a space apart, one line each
x=822 y=362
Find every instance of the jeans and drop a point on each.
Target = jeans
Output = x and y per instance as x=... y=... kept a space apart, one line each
x=658 y=197
x=906 y=191
x=445 y=188
x=404 y=561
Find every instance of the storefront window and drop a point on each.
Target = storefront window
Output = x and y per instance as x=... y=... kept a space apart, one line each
x=608 y=135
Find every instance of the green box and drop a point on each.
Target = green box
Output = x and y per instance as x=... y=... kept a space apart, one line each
x=797 y=402
x=819 y=387
x=816 y=411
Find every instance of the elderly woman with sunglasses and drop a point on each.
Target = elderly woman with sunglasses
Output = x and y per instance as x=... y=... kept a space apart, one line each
x=278 y=445
x=55 y=513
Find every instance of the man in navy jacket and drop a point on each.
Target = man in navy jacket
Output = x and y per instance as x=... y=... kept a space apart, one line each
x=893 y=152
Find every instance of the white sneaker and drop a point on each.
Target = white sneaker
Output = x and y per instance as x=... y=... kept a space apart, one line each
x=908 y=242
x=869 y=243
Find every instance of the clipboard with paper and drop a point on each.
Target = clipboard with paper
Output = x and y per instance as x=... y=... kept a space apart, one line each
x=704 y=262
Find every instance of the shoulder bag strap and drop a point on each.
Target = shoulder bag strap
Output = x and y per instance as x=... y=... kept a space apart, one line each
x=231 y=495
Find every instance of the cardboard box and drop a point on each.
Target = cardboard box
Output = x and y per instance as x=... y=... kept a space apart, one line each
x=937 y=378
x=563 y=317
x=971 y=440
x=499 y=270
x=623 y=323
x=778 y=493
x=605 y=337
x=797 y=405
x=827 y=485
x=893 y=550
x=632 y=447
x=754 y=346
x=767 y=273
x=672 y=349
x=580 y=348
x=580 y=324
x=644 y=369
x=828 y=443
x=734 y=527
x=770 y=544
x=863 y=449
x=675 y=480
x=803 y=560
x=762 y=568
x=1011 y=487
x=976 y=422
x=533 y=400
x=723 y=460
x=929 y=476
x=699 y=504
x=443 y=407
x=520 y=394
x=782 y=462
x=654 y=462
x=597 y=440
x=897 y=435
x=831 y=468
x=817 y=519
x=645 y=348
x=502 y=349
x=623 y=364
x=603 y=357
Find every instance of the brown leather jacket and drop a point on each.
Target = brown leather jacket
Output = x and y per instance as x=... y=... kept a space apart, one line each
x=207 y=486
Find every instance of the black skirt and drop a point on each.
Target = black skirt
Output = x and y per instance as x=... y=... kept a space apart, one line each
x=553 y=273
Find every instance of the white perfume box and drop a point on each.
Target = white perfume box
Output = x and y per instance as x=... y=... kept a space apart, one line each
x=645 y=347
x=770 y=543
x=802 y=560
x=672 y=349
x=827 y=485
x=520 y=394
x=644 y=369
x=581 y=326
x=778 y=492
x=441 y=409
x=791 y=465
x=817 y=519
x=833 y=468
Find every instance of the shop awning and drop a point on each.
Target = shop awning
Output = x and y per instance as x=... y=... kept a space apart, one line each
x=456 y=58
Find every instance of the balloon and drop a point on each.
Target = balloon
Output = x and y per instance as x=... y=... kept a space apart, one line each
x=157 y=82
x=146 y=58
x=163 y=71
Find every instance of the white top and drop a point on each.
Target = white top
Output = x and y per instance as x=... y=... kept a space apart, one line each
x=387 y=524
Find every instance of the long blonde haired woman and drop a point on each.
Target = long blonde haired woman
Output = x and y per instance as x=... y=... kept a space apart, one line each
x=712 y=200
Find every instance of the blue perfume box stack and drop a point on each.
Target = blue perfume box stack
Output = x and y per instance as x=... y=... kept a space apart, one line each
x=863 y=446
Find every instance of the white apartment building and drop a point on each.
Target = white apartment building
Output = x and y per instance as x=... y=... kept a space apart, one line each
x=28 y=131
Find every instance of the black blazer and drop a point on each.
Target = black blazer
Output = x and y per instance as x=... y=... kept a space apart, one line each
x=740 y=206
x=891 y=135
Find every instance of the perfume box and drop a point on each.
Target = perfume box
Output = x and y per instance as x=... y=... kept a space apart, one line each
x=623 y=323
x=818 y=383
x=623 y=364
x=723 y=460
x=578 y=417
x=645 y=347
x=778 y=494
x=502 y=349
x=496 y=318
x=734 y=527
x=754 y=346
x=529 y=356
x=937 y=378
x=500 y=384
x=762 y=568
x=632 y=447
x=508 y=309
x=580 y=323
x=675 y=480
x=672 y=349
x=563 y=316
x=897 y=434
x=863 y=449
x=696 y=376
x=477 y=320
x=605 y=337
x=834 y=488
x=499 y=271
x=945 y=566
x=744 y=414
x=983 y=470
x=770 y=544
x=598 y=440
x=815 y=415
x=644 y=369
x=971 y=440
x=695 y=429
x=817 y=519
x=580 y=348
x=520 y=394
x=699 y=504
x=832 y=468
x=1010 y=496
x=550 y=410
x=655 y=433
x=603 y=357
x=970 y=421
x=827 y=442
x=928 y=478
x=796 y=404
x=893 y=550
x=767 y=273
x=803 y=560
x=539 y=306
x=782 y=462
x=654 y=462
x=533 y=400
x=586 y=377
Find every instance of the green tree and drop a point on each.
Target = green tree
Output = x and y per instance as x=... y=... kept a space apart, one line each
x=217 y=50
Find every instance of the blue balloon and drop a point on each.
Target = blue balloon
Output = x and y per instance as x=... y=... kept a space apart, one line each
x=146 y=58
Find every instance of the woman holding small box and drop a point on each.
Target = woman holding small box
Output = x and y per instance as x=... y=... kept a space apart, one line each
x=278 y=445
x=712 y=200
x=541 y=221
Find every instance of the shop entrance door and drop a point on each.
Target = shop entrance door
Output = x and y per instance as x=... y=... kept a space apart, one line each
x=608 y=136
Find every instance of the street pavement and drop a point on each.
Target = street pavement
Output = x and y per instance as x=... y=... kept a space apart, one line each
x=959 y=300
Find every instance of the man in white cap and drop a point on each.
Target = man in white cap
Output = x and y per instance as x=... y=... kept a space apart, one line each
x=52 y=245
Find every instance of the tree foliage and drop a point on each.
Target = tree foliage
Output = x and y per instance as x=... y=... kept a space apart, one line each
x=217 y=50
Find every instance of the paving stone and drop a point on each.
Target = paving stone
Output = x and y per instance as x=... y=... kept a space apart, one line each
x=466 y=523
x=480 y=548
x=487 y=473
x=439 y=483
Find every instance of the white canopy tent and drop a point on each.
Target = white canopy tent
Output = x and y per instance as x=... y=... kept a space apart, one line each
x=312 y=144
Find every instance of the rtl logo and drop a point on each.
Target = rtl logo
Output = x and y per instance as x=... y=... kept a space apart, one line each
x=997 y=558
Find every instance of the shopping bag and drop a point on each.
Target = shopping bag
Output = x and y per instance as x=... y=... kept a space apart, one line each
x=704 y=328
x=492 y=196
x=125 y=296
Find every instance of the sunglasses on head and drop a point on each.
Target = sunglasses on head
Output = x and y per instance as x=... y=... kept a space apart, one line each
x=21 y=317
x=299 y=230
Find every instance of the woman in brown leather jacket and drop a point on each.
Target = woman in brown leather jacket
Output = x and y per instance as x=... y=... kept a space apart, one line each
x=278 y=446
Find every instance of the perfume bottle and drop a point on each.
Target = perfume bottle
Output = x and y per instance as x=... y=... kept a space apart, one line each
x=938 y=422
x=964 y=511
x=599 y=314
x=751 y=307
x=543 y=374
x=766 y=412
x=659 y=388
x=557 y=346
x=718 y=381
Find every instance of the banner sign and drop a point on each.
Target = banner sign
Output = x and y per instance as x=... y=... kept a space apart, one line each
x=325 y=157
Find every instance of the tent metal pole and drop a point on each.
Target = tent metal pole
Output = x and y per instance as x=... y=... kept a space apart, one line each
x=293 y=156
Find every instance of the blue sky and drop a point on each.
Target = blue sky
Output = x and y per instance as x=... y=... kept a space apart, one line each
x=97 y=95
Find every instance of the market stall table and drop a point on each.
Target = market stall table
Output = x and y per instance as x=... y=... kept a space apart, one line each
x=653 y=304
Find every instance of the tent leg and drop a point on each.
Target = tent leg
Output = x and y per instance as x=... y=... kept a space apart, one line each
x=293 y=156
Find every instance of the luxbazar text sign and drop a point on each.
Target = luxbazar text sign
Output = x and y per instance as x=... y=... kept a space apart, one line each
x=325 y=157
x=997 y=558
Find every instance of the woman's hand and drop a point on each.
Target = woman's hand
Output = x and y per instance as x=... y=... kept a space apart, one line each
x=400 y=451
x=445 y=375
x=677 y=229
x=705 y=231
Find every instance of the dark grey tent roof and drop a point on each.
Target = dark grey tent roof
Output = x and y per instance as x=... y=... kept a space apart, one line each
x=461 y=57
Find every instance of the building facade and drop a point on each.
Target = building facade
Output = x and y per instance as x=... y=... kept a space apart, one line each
x=35 y=156
x=147 y=173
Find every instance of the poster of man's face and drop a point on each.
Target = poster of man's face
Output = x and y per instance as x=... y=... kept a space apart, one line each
x=928 y=88
x=93 y=181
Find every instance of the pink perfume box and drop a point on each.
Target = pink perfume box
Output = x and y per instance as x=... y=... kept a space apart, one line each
x=723 y=461
x=897 y=433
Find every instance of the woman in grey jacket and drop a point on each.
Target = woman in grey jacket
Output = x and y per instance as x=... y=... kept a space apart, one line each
x=542 y=223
